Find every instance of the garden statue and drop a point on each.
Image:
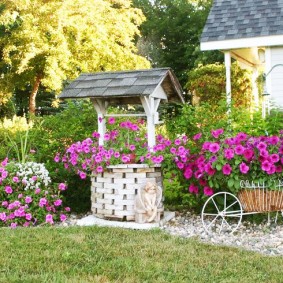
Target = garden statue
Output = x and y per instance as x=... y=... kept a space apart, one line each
x=148 y=203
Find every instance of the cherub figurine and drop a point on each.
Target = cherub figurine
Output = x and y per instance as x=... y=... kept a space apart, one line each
x=147 y=203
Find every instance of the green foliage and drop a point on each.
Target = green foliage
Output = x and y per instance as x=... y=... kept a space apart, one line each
x=171 y=32
x=191 y=120
x=46 y=42
x=51 y=134
x=207 y=84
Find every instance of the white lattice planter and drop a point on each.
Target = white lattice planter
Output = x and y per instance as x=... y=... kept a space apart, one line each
x=113 y=192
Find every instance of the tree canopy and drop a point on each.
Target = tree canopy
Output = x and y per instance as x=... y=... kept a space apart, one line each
x=171 y=32
x=45 y=42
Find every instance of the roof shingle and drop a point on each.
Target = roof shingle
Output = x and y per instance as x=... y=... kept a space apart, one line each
x=231 y=19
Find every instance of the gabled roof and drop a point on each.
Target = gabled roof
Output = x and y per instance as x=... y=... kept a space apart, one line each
x=244 y=19
x=124 y=86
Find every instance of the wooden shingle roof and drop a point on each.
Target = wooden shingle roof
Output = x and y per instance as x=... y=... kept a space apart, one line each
x=232 y=19
x=123 y=87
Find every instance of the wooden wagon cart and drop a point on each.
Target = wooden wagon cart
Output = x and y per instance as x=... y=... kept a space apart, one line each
x=223 y=211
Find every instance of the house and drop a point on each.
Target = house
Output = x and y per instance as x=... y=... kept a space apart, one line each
x=250 y=31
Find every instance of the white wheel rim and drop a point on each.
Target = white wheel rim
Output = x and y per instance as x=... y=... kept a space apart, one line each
x=224 y=213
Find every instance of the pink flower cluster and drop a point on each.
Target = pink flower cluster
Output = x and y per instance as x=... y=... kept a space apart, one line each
x=125 y=141
x=222 y=163
x=27 y=207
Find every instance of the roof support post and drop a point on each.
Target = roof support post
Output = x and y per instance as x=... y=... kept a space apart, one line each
x=255 y=88
x=228 y=80
x=100 y=107
x=150 y=106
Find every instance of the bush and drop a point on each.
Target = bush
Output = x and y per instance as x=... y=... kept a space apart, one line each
x=208 y=84
x=27 y=195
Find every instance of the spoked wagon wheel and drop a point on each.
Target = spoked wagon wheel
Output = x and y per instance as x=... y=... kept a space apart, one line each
x=222 y=212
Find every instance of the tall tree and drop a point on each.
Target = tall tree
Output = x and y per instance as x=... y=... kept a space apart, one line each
x=171 y=32
x=45 y=42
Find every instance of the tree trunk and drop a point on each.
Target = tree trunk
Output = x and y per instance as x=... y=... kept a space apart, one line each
x=32 y=103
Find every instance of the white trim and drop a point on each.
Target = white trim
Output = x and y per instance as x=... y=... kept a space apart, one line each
x=242 y=43
x=159 y=93
x=228 y=80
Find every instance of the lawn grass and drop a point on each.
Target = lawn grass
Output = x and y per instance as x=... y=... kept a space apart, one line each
x=100 y=254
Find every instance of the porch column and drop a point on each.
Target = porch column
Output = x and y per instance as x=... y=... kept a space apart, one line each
x=255 y=88
x=228 y=80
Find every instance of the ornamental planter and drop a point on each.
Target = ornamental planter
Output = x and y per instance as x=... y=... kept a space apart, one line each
x=261 y=200
x=113 y=192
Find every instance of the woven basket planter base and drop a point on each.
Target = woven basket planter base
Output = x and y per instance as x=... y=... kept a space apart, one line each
x=261 y=200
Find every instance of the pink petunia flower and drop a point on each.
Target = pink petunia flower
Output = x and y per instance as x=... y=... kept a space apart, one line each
x=193 y=189
x=214 y=147
x=8 y=190
x=226 y=169
x=49 y=219
x=244 y=168
x=208 y=191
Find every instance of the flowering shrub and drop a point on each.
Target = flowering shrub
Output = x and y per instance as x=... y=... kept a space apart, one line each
x=222 y=163
x=124 y=141
x=26 y=195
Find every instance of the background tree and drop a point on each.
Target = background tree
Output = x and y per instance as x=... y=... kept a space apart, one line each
x=171 y=33
x=45 y=42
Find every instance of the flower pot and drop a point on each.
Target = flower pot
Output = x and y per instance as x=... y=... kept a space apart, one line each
x=261 y=200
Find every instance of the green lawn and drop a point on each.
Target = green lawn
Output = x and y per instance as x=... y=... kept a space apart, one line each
x=95 y=254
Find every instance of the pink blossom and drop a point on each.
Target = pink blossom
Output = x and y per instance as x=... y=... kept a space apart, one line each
x=193 y=189
x=209 y=170
x=4 y=162
x=239 y=149
x=13 y=225
x=217 y=133
x=28 y=199
x=214 y=147
x=16 y=179
x=37 y=191
x=58 y=202
x=57 y=158
x=28 y=216
x=197 y=136
x=68 y=209
x=99 y=169
x=266 y=165
x=208 y=191
x=177 y=142
x=274 y=157
x=111 y=120
x=132 y=147
x=5 y=203
x=8 y=190
x=82 y=174
x=244 y=168
x=261 y=146
x=188 y=173
x=42 y=202
x=63 y=217
x=226 y=169
x=49 y=219
x=3 y=216
x=248 y=154
x=228 y=153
